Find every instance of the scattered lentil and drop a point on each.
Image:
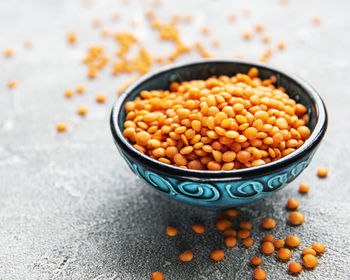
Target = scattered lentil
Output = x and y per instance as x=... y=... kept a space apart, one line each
x=256 y=261
x=186 y=256
x=157 y=275
x=296 y=218
x=245 y=225
x=217 y=255
x=322 y=172
x=61 y=127
x=230 y=241
x=82 y=110
x=259 y=274
x=295 y=267
x=197 y=228
x=293 y=204
x=279 y=243
x=267 y=248
x=171 y=231
x=304 y=188
x=268 y=223
x=268 y=238
x=292 y=241
x=284 y=254
x=231 y=212
x=12 y=84
x=318 y=247
x=308 y=251
x=244 y=233
x=223 y=225
x=101 y=98
x=248 y=242
x=310 y=261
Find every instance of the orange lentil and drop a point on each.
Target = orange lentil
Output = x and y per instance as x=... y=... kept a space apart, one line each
x=296 y=218
x=248 y=242
x=308 y=251
x=243 y=233
x=157 y=275
x=223 y=225
x=292 y=241
x=259 y=274
x=259 y=27
x=232 y=212
x=82 y=110
x=268 y=223
x=295 y=267
x=197 y=228
x=310 y=261
x=247 y=35
x=293 y=204
x=230 y=241
x=216 y=124
x=12 y=84
x=284 y=254
x=268 y=238
x=230 y=232
x=265 y=38
x=267 y=248
x=68 y=93
x=316 y=20
x=322 y=172
x=279 y=243
x=61 y=127
x=256 y=261
x=72 y=38
x=171 y=231
x=80 y=89
x=186 y=256
x=217 y=255
x=8 y=52
x=245 y=225
x=101 y=98
x=318 y=247
x=281 y=45
x=304 y=188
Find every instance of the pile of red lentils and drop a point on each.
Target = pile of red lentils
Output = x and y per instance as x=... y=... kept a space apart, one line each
x=284 y=247
x=221 y=123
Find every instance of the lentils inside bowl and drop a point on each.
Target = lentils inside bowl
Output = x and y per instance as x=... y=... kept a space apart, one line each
x=222 y=123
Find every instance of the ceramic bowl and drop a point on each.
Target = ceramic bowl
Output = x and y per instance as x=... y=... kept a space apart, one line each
x=220 y=189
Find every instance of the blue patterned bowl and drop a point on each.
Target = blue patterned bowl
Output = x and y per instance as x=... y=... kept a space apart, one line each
x=220 y=189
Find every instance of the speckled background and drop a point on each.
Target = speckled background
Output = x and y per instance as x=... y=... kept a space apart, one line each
x=69 y=206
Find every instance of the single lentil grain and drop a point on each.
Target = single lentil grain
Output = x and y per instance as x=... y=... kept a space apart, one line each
x=292 y=241
x=308 y=251
x=197 y=228
x=82 y=110
x=304 y=188
x=284 y=254
x=171 y=231
x=318 y=247
x=279 y=243
x=259 y=274
x=101 y=98
x=248 y=242
x=296 y=218
x=245 y=225
x=230 y=241
x=61 y=127
x=231 y=212
x=268 y=224
x=267 y=248
x=217 y=255
x=230 y=232
x=295 y=267
x=310 y=261
x=186 y=256
x=243 y=233
x=293 y=204
x=268 y=238
x=157 y=275
x=223 y=225
x=322 y=172
x=256 y=261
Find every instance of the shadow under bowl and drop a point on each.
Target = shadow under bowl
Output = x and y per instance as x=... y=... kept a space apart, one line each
x=220 y=189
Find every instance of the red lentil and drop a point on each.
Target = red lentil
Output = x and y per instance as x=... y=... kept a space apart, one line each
x=268 y=224
x=295 y=267
x=322 y=172
x=248 y=242
x=217 y=255
x=292 y=241
x=157 y=275
x=61 y=127
x=186 y=256
x=279 y=243
x=296 y=218
x=197 y=228
x=230 y=241
x=318 y=247
x=268 y=238
x=308 y=251
x=309 y=261
x=267 y=248
x=284 y=254
x=293 y=204
x=304 y=188
x=171 y=231
x=256 y=261
x=259 y=274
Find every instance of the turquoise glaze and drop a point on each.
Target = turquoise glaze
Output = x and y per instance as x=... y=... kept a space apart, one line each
x=220 y=189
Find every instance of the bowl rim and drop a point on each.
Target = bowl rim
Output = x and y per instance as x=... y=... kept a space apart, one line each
x=311 y=143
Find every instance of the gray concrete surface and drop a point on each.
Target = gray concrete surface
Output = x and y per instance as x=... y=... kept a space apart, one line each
x=69 y=206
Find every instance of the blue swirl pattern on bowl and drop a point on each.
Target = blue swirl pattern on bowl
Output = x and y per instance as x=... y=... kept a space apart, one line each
x=220 y=189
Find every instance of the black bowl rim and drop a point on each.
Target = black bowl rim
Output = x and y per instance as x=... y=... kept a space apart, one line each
x=309 y=145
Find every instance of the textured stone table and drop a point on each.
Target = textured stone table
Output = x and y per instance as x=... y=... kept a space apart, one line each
x=69 y=206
